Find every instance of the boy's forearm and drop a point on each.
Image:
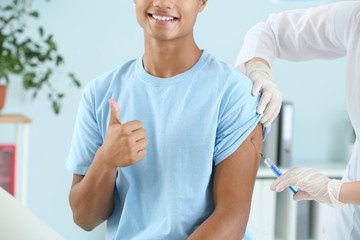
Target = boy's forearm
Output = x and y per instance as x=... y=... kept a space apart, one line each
x=222 y=224
x=91 y=199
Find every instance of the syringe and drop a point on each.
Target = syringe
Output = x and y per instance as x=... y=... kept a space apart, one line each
x=272 y=166
x=275 y=169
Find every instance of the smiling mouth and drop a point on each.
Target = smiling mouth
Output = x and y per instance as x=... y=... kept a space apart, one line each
x=163 y=18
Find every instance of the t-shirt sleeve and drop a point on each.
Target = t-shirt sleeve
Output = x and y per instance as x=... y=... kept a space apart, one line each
x=87 y=137
x=237 y=120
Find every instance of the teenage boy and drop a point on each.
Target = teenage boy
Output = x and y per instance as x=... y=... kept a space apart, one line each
x=198 y=163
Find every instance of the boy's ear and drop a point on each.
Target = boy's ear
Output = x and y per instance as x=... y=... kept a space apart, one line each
x=202 y=5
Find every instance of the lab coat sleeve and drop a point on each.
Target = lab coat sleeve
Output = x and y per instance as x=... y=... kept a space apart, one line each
x=300 y=35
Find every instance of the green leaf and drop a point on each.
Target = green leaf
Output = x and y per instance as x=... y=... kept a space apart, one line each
x=59 y=60
x=15 y=2
x=52 y=45
x=44 y=78
x=2 y=19
x=28 y=80
x=41 y=31
x=14 y=64
x=27 y=40
x=56 y=107
x=75 y=81
x=8 y=8
x=50 y=42
x=34 y=14
x=49 y=39
x=4 y=75
x=61 y=95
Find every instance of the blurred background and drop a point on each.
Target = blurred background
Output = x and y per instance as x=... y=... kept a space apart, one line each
x=96 y=36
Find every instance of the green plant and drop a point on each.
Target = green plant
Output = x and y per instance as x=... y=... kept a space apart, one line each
x=34 y=59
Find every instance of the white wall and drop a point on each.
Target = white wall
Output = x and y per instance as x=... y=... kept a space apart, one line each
x=96 y=36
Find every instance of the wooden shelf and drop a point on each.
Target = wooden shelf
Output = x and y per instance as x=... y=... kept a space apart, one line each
x=14 y=119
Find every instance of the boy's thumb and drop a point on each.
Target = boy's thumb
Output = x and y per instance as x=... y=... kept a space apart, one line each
x=114 y=112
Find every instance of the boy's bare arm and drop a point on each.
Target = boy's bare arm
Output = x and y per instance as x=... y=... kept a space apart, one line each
x=234 y=181
x=91 y=196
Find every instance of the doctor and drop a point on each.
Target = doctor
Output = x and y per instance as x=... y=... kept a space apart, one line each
x=326 y=32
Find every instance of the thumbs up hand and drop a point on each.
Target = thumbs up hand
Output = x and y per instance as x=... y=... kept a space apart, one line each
x=124 y=144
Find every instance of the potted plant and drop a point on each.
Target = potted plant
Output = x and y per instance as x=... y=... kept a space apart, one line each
x=32 y=59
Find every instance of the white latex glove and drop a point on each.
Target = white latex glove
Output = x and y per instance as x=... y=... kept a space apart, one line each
x=314 y=185
x=260 y=75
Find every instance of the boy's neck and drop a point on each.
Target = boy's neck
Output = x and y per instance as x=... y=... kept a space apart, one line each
x=165 y=59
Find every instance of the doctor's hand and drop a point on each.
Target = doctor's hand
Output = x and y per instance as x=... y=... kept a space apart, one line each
x=313 y=184
x=124 y=144
x=260 y=75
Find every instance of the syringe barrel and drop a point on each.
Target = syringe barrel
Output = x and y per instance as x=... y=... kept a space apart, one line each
x=268 y=162
x=272 y=166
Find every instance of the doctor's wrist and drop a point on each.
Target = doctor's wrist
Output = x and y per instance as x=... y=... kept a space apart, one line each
x=334 y=188
x=258 y=70
x=254 y=60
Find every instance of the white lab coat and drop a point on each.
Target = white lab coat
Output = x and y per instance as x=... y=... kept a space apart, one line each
x=326 y=32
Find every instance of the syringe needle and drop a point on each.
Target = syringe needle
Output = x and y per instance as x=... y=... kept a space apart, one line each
x=257 y=149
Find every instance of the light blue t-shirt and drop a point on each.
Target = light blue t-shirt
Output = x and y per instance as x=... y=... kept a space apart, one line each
x=194 y=120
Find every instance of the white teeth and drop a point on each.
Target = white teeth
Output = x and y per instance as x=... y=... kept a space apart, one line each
x=163 y=18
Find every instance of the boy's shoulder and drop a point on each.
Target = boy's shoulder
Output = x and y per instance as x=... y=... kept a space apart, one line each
x=226 y=74
x=108 y=77
x=111 y=79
